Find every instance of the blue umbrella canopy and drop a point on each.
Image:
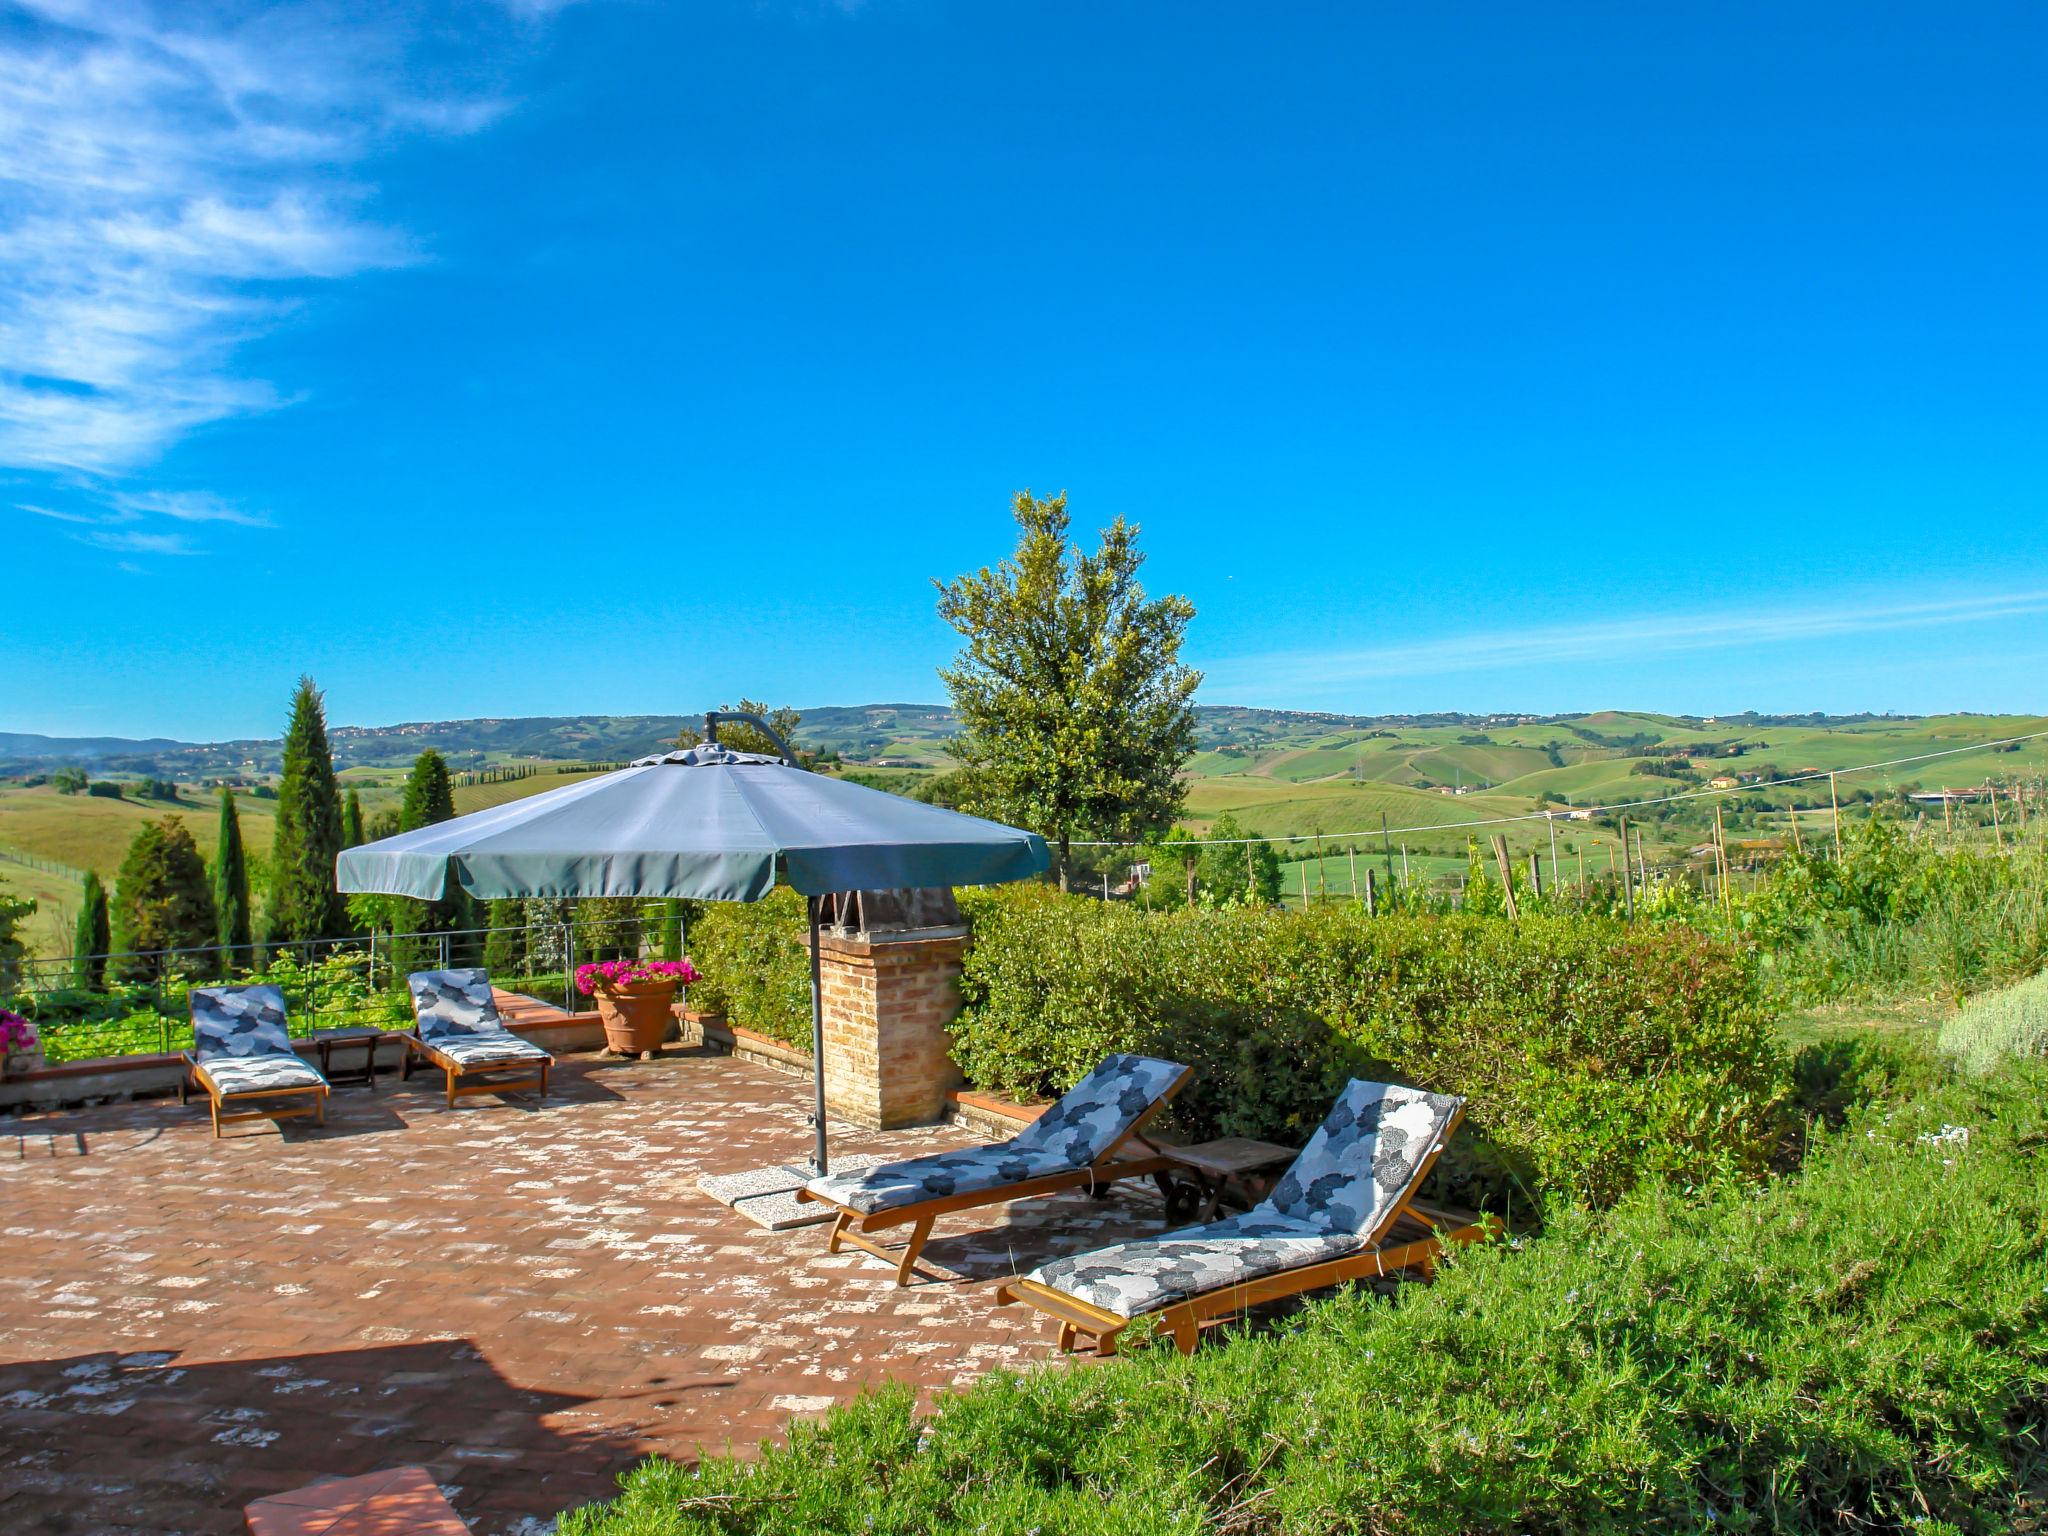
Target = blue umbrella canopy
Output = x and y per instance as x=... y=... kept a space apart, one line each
x=708 y=823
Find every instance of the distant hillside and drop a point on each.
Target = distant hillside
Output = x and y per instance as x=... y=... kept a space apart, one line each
x=913 y=735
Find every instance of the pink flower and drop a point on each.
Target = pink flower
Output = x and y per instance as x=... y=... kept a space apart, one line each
x=16 y=1033
x=607 y=975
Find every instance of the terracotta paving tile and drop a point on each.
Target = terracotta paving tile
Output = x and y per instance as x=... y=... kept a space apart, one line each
x=523 y=1302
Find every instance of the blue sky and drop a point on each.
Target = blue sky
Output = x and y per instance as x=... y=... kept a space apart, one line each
x=542 y=359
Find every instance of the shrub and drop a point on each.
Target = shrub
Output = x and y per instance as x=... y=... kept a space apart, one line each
x=2000 y=1027
x=1593 y=1053
x=1862 y=1347
x=755 y=966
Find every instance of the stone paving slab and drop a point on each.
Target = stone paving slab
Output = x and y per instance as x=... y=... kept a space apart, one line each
x=523 y=1300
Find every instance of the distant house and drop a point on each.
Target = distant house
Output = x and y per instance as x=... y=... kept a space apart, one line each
x=1724 y=781
x=1949 y=796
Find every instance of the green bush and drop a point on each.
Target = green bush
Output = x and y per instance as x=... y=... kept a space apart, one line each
x=756 y=968
x=1862 y=1347
x=1897 y=915
x=1999 y=1027
x=1593 y=1053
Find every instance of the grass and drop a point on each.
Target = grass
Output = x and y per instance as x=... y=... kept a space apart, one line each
x=1999 y=1027
x=1861 y=1346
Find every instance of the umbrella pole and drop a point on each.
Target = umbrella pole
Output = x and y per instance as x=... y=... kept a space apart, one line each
x=817 y=1044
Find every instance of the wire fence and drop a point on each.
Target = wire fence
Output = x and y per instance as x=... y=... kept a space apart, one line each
x=138 y=1002
x=37 y=861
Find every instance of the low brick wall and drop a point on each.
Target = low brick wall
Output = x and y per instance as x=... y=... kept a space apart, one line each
x=141 y=1077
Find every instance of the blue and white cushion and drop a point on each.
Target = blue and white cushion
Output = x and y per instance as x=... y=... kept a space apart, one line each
x=240 y=1042
x=1088 y=1120
x=1340 y=1192
x=458 y=1017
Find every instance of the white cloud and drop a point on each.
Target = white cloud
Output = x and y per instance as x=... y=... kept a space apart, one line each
x=1555 y=645
x=164 y=170
x=129 y=542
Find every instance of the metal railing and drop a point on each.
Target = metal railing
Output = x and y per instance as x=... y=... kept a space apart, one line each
x=137 y=1001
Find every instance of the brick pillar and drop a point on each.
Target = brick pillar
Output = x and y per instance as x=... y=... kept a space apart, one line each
x=886 y=1005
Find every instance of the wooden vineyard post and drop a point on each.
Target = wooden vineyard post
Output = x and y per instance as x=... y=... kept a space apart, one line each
x=1371 y=897
x=1948 y=815
x=1721 y=858
x=1835 y=802
x=1580 y=850
x=1251 y=878
x=1405 y=879
x=1322 y=875
x=1642 y=864
x=1351 y=853
x=1797 y=845
x=1507 y=874
x=1997 y=826
x=1628 y=878
x=1387 y=851
x=1550 y=821
x=1535 y=874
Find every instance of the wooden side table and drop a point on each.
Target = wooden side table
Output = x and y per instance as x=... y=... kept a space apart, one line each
x=325 y=1041
x=1210 y=1166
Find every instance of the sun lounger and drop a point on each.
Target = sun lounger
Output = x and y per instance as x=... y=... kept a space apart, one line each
x=457 y=1029
x=1344 y=1211
x=1075 y=1143
x=242 y=1055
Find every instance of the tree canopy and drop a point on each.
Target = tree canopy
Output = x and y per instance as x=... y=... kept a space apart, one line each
x=1075 y=708
x=161 y=899
x=92 y=936
x=304 y=903
x=232 y=922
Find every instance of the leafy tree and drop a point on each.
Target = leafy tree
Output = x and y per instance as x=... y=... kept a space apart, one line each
x=92 y=937
x=1176 y=861
x=352 y=820
x=13 y=912
x=161 y=899
x=1241 y=871
x=1075 y=707
x=429 y=793
x=69 y=781
x=106 y=789
x=304 y=903
x=505 y=944
x=742 y=737
x=233 y=927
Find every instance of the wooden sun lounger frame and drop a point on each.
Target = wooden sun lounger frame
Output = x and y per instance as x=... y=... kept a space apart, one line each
x=852 y=1226
x=218 y=1102
x=488 y=1076
x=1427 y=1231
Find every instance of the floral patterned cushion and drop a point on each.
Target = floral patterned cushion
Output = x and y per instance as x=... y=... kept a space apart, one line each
x=1092 y=1114
x=481 y=1050
x=239 y=1021
x=454 y=1003
x=1363 y=1157
x=1343 y=1188
x=1130 y=1279
x=1076 y=1131
x=259 y=1074
x=929 y=1178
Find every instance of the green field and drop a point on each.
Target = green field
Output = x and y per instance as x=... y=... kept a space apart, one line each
x=1278 y=774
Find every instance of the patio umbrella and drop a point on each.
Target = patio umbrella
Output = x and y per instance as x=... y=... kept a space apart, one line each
x=709 y=824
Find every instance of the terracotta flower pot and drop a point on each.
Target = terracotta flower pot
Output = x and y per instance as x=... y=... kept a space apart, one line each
x=636 y=1017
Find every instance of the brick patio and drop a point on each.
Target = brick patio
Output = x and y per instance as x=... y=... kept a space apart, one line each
x=524 y=1300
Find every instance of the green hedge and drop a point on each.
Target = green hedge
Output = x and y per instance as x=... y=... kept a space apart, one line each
x=1594 y=1053
x=756 y=969
x=1863 y=1347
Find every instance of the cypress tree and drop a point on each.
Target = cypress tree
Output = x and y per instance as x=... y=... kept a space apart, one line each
x=352 y=820
x=91 y=939
x=161 y=899
x=429 y=793
x=231 y=885
x=429 y=798
x=304 y=903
